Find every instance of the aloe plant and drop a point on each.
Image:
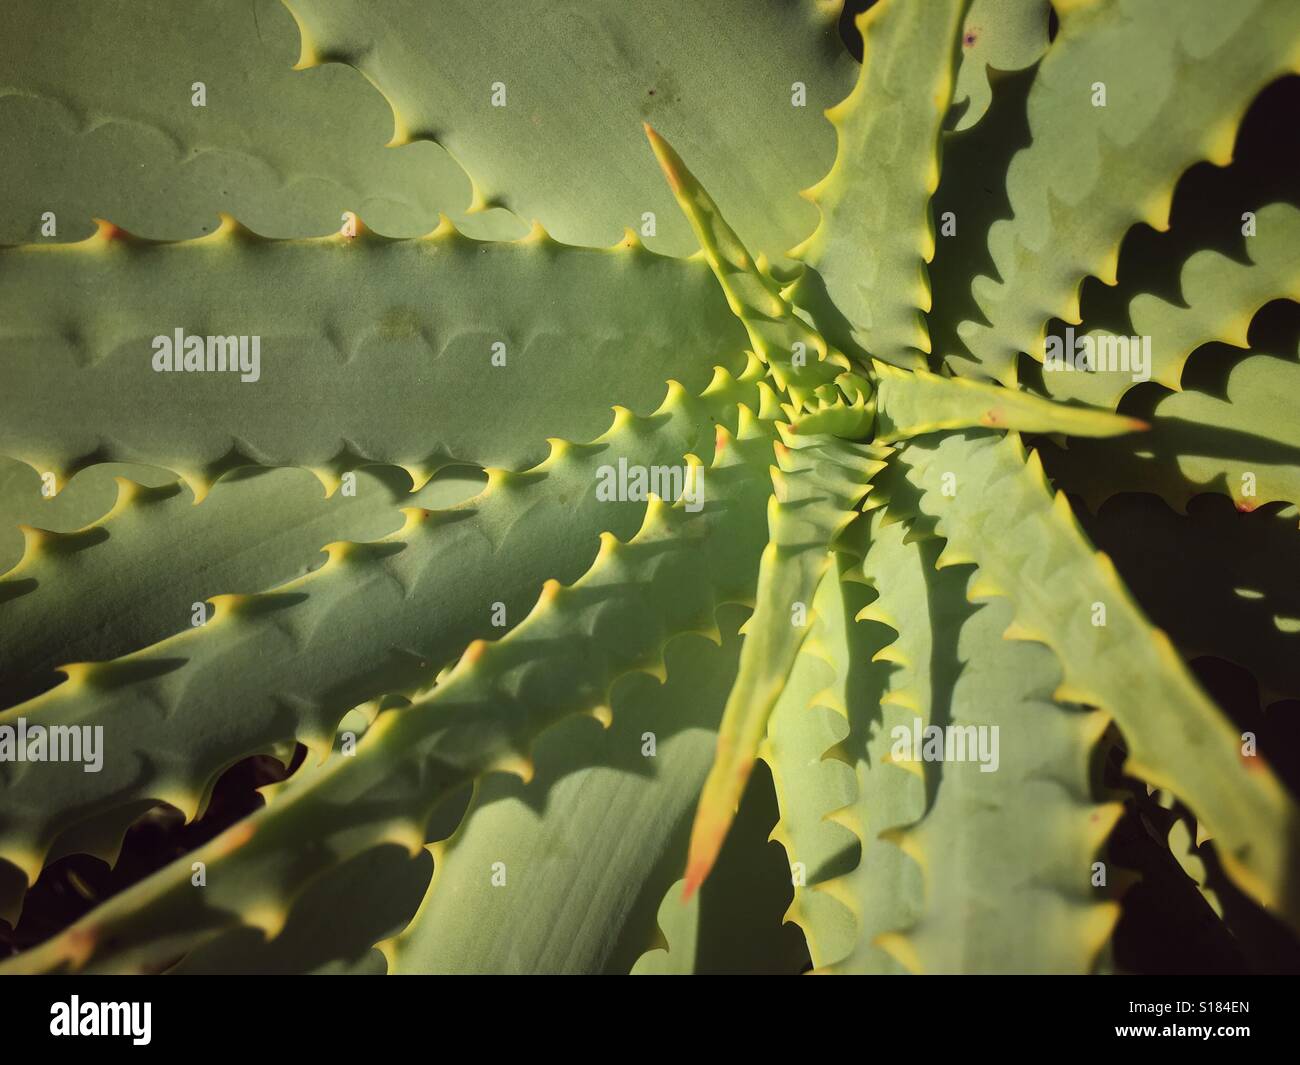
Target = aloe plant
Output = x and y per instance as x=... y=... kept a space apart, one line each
x=809 y=657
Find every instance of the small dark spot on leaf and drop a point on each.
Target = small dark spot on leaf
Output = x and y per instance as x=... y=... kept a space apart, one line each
x=969 y=38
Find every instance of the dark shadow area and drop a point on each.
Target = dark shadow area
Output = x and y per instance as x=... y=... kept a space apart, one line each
x=72 y=886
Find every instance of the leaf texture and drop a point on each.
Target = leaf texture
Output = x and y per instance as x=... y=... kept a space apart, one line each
x=875 y=236
x=374 y=367
x=1176 y=83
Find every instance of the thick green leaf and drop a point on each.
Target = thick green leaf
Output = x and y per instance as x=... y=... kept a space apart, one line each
x=999 y=512
x=591 y=841
x=1220 y=582
x=997 y=35
x=129 y=579
x=875 y=236
x=1006 y=848
x=911 y=403
x=1263 y=401
x=820 y=484
x=1177 y=80
x=814 y=781
x=332 y=926
x=799 y=358
x=961 y=870
x=732 y=926
x=1219 y=299
x=588 y=845
x=563 y=659
x=378 y=364
x=970 y=199
x=27 y=498
x=1243 y=445
x=742 y=79
x=376 y=618
x=807 y=723
x=101 y=96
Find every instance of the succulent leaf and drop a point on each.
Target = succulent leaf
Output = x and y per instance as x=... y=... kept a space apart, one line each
x=593 y=791
x=997 y=35
x=799 y=358
x=875 y=236
x=139 y=150
x=26 y=498
x=375 y=619
x=285 y=486
x=1220 y=297
x=1176 y=82
x=563 y=149
x=918 y=402
x=396 y=334
x=1245 y=605
x=1243 y=445
x=828 y=745
x=991 y=871
x=254 y=532
x=732 y=926
x=484 y=715
x=1260 y=403
x=819 y=484
x=1030 y=550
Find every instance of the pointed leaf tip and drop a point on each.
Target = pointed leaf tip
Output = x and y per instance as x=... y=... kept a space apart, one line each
x=669 y=161
x=701 y=857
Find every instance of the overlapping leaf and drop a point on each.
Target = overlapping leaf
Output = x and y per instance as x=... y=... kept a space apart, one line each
x=562 y=660
x=376 y=618
x=1125 y=99
x=741 y=80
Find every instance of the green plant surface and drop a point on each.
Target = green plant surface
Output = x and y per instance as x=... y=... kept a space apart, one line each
x=886 y=168
x=997 y=36
x=1257 y=403
x=28 y=499
x=253 y=531
x=368 y=337
x=1220 y=297
x=919 y=402
x=1176 y=737
x=484 y=714
x=1245 y=608
x=1175 y=93
x=136 y=149
x=374 y=619
x=721 y=89
x=550 y=601
x=818 y=487
x=1241 y=443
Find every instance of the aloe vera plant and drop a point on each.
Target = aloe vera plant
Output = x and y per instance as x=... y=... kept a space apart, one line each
x=809 y=657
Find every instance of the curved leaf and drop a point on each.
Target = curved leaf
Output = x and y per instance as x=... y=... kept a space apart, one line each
x=104 y=99
x=485 y=714
x=1177 y=81
x=92 y=493
x=1001 y=515
x=376 y=618
x=121 y=583
x=917 y=402
x=733 y=925
x=1243 y=445
x=1220 y=297
x=799 y=358
x=997 y=35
